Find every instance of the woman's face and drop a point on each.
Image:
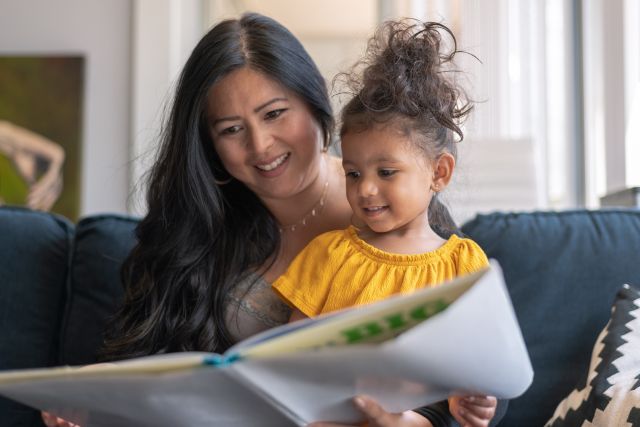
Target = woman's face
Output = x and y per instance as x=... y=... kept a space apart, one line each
x=264 y=134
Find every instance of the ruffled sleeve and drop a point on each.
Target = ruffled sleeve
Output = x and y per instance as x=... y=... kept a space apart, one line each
x=306 y=284
x=470 y=257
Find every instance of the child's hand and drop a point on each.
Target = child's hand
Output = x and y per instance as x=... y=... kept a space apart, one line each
x=473 y=411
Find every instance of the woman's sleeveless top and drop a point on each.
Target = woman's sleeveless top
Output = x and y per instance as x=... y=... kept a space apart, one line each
x=253 y=307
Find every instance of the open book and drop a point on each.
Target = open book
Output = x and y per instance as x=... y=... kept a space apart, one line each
x=406 y=351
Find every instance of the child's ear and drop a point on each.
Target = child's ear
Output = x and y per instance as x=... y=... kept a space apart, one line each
x=443 y=171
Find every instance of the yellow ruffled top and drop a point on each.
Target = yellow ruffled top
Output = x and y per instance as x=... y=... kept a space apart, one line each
x=338 y=269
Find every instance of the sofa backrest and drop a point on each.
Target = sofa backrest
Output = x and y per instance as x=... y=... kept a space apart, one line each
x=101 y=244
x=34 y=264
x=563 y=271
x=59 y=285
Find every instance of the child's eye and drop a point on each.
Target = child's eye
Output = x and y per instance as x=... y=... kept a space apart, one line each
x=385 y=173
x=352 y=174
x=271 y=115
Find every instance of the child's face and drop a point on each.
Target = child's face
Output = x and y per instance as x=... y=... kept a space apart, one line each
x=388 y=179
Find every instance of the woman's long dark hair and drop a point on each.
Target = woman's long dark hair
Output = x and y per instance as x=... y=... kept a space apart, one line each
x=199 y=238
x=407 y=77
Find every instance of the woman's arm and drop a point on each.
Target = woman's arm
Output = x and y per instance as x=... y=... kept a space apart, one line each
x=53 y=421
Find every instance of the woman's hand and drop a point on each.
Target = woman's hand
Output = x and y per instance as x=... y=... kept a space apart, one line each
x=378 y=417
x=53 y=421
x=473 y=411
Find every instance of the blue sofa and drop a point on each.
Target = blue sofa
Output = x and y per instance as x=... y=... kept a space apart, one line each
x=59 y=283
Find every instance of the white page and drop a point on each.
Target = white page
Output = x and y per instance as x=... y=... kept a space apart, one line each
x=195 y=398
x=475 y=345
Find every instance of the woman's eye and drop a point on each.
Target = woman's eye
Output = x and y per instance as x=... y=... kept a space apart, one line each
x=385 y=173
x=231 y=130
x=274 y=114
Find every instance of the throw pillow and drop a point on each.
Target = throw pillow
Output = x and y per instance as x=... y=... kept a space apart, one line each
x=611 y=396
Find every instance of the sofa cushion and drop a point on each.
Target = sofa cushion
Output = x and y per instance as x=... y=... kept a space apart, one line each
x=609 y=393
x=101 y=245
x=33 y=272
x=562 y=271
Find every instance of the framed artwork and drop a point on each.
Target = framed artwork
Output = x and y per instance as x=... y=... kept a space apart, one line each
x=41 y=110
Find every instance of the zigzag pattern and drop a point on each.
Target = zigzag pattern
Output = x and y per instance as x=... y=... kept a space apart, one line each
x=612 y=394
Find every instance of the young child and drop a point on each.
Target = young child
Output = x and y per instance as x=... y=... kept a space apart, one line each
x=399 y=134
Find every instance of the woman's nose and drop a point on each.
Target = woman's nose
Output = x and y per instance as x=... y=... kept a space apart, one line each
x=260 y=140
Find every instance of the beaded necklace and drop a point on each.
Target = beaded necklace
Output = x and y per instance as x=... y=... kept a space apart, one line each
x=315 y=211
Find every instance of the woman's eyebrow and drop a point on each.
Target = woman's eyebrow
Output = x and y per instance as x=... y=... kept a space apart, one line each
x=266 y=104
x=255 y=110
x=224 y=119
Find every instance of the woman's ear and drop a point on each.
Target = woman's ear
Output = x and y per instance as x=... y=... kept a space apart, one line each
x=443 y=171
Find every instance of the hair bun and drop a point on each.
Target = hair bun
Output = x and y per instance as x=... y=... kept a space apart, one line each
x=408 y=71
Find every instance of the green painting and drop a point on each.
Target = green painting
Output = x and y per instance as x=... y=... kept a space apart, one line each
x=41 y=104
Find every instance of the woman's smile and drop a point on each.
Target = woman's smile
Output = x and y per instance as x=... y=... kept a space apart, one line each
x=273 y=167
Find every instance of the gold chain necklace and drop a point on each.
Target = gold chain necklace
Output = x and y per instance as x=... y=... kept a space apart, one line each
x=315 y=210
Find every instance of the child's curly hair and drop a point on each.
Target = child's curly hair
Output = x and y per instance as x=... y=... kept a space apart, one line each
x=408 y=80
x=408 y=74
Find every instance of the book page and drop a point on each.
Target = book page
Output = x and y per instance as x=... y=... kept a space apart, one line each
x=372 y=323
x=407 y=351
x=206 y=396
x=473 y=346
x=151 y=364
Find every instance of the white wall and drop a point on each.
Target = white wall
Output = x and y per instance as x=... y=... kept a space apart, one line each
x=99 y=30
x=164 y=34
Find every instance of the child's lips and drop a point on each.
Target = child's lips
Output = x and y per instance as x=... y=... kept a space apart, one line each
x=373 y=211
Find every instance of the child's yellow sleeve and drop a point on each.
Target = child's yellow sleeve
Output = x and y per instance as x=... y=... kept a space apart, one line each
x=306 y=283
x=471 y=257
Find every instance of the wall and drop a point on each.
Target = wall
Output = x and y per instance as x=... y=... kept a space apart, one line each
x=164 y=34
x=99 y=30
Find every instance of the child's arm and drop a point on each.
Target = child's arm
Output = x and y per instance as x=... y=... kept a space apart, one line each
x=473 y=411
x=297 y=315
x=378 y=417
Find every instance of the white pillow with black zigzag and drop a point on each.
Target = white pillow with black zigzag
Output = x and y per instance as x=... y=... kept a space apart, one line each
x=611 y=396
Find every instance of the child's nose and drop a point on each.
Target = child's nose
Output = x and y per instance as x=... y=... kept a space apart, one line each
x=367 y=188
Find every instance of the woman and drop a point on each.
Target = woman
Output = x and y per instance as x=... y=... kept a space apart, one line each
x=242 y=183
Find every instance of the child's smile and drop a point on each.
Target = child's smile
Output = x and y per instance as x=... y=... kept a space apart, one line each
x=373 y=211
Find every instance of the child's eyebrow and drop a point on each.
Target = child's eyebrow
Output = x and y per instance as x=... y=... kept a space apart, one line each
x=381 y=159
x=386 y=159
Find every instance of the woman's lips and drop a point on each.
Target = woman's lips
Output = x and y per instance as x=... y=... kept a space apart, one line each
x=273 y=167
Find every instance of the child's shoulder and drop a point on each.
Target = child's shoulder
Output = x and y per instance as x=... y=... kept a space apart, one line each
x=467 y=251
x=330 y=236
x=327 y=240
